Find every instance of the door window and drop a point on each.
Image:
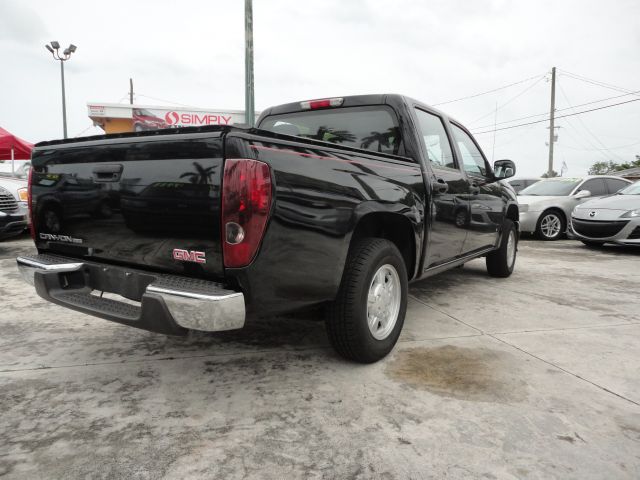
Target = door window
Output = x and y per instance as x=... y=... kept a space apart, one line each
x=472 y=159
x=436 y=141
x=596 y=186
x=613 y=184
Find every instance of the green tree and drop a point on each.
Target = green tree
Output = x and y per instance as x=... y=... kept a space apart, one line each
x=546 y=174
x=601 y=168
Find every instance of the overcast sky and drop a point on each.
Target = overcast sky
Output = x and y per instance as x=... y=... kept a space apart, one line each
x=192 y=53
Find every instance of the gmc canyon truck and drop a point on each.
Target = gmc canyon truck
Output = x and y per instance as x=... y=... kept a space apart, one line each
x=339 y=201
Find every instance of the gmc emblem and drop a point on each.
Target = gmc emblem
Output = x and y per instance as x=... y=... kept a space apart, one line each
x=188 y=256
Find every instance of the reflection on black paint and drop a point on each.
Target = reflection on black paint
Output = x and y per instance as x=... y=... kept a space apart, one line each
x=62 y=197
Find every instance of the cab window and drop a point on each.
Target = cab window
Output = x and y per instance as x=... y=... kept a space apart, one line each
x=472 y=160
x=436 y=142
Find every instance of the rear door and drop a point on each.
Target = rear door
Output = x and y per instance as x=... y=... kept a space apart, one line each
x=449 y=206
x=486 y=202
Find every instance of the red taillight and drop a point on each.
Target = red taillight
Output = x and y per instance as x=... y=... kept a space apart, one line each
x=246 y=201
x=32 y=228
x=323 y=103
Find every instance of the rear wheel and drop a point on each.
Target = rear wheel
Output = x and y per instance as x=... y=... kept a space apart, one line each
x=366 y=318
x=501 y=262
x=551 y=225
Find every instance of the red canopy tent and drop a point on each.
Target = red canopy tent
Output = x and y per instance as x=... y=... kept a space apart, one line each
x=13 y=148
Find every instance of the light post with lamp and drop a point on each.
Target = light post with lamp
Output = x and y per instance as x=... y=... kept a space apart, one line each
x=66 y=54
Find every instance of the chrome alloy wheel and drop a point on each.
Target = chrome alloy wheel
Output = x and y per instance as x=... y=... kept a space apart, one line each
x=551 y=225
x=511 y=249
x=383 y=302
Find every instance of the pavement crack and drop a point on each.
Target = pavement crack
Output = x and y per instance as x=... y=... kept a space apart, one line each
x=575 y=375
x=445 y=313
x=584 y=327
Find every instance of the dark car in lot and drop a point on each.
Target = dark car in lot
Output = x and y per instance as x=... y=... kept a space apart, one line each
x=13 y=207
x=338 y=202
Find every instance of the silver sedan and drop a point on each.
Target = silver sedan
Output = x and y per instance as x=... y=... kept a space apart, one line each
x=546 y=206
x=613 y=219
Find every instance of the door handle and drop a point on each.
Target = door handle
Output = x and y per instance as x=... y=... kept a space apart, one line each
x=474 y=188
x=440 y=186
x=107 y=173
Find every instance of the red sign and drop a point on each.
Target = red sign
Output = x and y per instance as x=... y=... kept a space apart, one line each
x=179 y=118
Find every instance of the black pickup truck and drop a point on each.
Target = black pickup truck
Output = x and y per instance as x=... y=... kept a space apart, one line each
x=338 y=201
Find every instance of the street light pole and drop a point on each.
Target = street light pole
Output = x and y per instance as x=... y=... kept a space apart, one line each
x=249 y=108
x=66 y=55
x=64 y=101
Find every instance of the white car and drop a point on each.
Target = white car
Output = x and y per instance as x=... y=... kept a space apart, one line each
x=546 y=206
x=612 y=219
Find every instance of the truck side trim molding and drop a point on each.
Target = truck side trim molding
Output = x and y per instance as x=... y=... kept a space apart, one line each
x=167 y=303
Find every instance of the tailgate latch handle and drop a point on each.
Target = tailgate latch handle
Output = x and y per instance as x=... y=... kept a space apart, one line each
x=107 y=173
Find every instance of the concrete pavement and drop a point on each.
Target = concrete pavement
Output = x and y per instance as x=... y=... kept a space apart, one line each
x=535 y=376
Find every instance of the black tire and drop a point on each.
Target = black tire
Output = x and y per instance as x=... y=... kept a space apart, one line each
x=347 y=316
x=550 y=214
x=460 y=219
x=592 y=244
x=500 y=263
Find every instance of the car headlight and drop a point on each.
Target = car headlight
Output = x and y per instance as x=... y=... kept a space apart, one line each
x=631 y=213
x=523 y=207
x=23 y=194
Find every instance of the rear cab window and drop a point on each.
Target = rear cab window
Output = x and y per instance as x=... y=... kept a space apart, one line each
x=372 y=128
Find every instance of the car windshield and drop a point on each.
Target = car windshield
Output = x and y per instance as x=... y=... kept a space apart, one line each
x=557 y=187
x=633 y=189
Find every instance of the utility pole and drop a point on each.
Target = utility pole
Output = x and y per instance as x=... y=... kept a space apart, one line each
x=249 y=109
x=131 y=91
x=552 y=129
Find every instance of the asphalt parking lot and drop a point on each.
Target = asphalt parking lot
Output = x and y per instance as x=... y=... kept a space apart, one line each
x=535 y=376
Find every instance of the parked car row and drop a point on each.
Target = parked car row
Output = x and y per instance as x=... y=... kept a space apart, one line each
x=595 y=209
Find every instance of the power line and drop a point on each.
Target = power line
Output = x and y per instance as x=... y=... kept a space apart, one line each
x=487 y=92
x=560 y=116
x=580 y=138
x=587 y=129
x=510 y=100
x=597 y=82
x=600 y=149
x=563 y=109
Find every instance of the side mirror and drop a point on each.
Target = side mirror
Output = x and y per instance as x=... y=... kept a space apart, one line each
x=504 y=169
x=582 y=194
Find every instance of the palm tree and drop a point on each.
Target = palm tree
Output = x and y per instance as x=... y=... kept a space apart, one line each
x=202 y=176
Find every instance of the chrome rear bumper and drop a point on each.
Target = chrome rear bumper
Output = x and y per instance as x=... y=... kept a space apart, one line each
x=157 y=302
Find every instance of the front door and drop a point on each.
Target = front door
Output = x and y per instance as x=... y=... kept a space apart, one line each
x=487 y=203
x=449 y=214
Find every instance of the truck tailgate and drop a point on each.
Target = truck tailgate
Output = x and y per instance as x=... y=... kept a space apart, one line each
x=147 y=201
